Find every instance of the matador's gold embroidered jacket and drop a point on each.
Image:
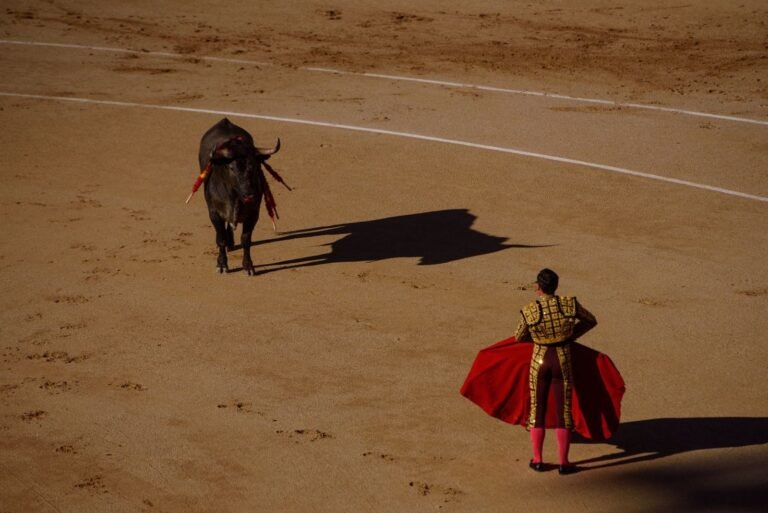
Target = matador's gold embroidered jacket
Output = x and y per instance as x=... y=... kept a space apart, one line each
x=553 y=321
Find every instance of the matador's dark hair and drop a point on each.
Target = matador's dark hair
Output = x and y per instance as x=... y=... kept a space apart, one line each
x=548 y=280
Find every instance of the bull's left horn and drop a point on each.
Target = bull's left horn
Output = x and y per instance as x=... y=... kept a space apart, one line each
x=269 y=151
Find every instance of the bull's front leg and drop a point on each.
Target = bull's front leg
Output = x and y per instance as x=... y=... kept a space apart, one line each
x=221 y=241
x=245 y=240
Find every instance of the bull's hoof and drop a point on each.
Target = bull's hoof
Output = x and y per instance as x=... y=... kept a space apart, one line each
x=250 y=271
x=222 y=270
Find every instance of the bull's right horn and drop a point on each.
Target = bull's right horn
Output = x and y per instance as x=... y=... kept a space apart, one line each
x=269 y=151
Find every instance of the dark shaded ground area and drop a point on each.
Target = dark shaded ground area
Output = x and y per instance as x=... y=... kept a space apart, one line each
x=651 y=439
x=432 y=237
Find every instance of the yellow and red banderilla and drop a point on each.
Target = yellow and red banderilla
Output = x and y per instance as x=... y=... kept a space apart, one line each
x=200 y=179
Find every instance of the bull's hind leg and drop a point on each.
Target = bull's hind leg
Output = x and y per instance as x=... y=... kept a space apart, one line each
x=221 y=241
x=245 y=239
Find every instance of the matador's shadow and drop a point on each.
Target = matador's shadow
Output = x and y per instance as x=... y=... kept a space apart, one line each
x=433 y=237
x=651 y=439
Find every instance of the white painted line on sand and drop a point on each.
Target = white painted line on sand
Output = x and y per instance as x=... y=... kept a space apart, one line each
x=546 y=95
x=443 y=83
x=410 y=135
x=169 y=55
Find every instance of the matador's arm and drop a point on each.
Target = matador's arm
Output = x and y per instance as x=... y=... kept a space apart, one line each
x=521 y=333
x=587 y=321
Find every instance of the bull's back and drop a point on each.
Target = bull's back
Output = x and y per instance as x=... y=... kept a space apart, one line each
x=219 y=133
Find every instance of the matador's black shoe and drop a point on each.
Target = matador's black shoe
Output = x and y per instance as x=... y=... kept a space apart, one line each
x=567 y=469
x=538 y=467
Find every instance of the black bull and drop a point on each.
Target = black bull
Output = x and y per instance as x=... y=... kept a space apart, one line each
x=235 y=186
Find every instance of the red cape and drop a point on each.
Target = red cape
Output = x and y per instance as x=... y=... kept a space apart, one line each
x=498 y=383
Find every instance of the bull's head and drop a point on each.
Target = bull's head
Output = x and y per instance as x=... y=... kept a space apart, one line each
x=240 y=164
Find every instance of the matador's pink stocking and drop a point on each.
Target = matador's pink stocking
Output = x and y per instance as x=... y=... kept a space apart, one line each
x=563 y=444
x=537 y=442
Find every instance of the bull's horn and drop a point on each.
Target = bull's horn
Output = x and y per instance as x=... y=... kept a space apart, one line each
x=269 y=151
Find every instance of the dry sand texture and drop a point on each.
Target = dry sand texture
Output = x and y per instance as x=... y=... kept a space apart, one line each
x=133 y=378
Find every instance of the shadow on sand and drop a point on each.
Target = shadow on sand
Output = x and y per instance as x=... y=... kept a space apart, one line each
x=432 y=237
x=651 y=439
x=724 y=481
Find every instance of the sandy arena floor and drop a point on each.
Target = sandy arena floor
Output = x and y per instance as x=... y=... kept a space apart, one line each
x=441 y=153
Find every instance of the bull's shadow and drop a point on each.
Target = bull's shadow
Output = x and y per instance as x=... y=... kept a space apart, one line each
x=651 y=439
x=432 y=237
